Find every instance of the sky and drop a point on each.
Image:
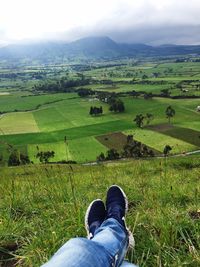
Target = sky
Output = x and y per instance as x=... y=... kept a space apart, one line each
x=152 y=22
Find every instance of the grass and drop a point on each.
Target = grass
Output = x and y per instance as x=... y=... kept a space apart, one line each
x=17 y=102
x=69 y=114
x=158 y=141
x=59 y=148
x=70 y=118
x=14 y=123
x=80 y=150
x=53 y=116
x=113 y=140
x=187 y=135
x=71 y=133
x=85 y=149
x=44 y=206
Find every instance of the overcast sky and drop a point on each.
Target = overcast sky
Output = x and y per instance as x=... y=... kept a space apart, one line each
x=134 y=21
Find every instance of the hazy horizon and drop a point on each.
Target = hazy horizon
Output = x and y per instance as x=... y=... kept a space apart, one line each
x=126 y=21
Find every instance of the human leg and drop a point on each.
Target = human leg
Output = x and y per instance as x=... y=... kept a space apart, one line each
x=112 y=233
x=109 y=239
x=113 y=237
x=80 y=252
x=107 y=248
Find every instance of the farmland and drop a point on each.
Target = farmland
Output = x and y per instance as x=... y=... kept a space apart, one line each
x=58 y=121
x=43 y=205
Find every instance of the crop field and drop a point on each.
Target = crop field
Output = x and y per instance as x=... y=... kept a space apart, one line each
x=47 y=127
x=14 y=123
x=113 y=140
x=61 y=121
x=158 y=141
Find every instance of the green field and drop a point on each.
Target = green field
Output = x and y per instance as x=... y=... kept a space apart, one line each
x=30 y=118
x=158 y=141
x=70 y=117
x=43 y=205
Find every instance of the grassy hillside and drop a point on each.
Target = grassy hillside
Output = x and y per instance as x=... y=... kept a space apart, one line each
x=42 y=206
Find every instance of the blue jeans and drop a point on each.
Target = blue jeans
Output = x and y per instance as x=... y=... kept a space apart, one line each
x=107 y=248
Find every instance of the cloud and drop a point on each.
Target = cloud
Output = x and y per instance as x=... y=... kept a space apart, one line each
x=146 y=21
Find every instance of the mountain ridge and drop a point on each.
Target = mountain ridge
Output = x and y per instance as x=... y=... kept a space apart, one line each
x=92 y=48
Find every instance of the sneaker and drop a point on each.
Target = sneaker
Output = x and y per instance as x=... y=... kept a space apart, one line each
x=116 y=204
x=117 y=207
x=94 y=217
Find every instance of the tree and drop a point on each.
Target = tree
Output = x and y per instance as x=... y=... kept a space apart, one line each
x=136 y=149
x=1 y=158
x=112 y=154
x=44 y=156
x=95 y=111
x=148 y=96
x=166 y=150
x=100 y=110
x=116 y=105
x=170 y=112
x=129 y=139
x=149 y=118
x=24 y=159
x=16 y=158
x=101 y=157
x=139 y=120
x=91 y=111
x=144 y=76
x=165 y=92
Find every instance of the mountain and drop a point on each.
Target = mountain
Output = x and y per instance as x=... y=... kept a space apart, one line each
x=90 y=48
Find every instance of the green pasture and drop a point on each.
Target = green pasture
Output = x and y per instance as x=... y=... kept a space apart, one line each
x=60 y=149
x=85 y=149
x=120 y=87
x=71 y=113
x=54 y=116
x=80 y=150
x=185 y=134
x=49 y=125
x=71 y=133
x=169 y=71
x=158 y=141
x=14 y=123
x=17 y=101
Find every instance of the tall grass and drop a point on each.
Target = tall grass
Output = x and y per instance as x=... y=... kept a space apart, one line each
x=44 y=206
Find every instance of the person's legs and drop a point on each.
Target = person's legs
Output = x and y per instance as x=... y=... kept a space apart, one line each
x=109 y=239
x=113 y=237
x=80 y=252
x=106 y=249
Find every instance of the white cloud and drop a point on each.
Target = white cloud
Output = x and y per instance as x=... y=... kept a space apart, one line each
x=71 y=19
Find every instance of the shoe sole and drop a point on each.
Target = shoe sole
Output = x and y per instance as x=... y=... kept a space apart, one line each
x=86 y=217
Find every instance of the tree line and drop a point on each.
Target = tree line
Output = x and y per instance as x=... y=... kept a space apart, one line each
x=140 y=119
x=132 y=149
x=96 y=111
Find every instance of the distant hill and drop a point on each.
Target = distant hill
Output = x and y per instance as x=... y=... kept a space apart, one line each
x=91 y=48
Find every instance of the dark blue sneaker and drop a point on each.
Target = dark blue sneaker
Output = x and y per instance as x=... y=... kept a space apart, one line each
x=116 y=204
x=94 y=217
x=117 y=207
